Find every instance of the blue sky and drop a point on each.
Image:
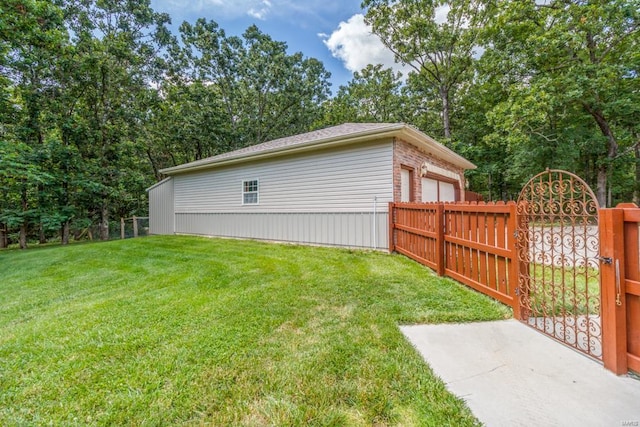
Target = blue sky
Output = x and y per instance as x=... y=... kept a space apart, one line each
x=332 y=31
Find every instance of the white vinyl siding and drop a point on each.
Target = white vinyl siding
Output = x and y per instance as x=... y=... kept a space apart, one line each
x=161 y=211
x=353 y=229
x=345 y=179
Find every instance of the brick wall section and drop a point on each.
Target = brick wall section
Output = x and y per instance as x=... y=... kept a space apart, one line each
x=406 y=154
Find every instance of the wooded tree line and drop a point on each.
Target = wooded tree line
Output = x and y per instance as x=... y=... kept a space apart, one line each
x=96 y=96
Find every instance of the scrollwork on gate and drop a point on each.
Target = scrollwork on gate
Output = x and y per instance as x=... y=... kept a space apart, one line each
x=558 y=249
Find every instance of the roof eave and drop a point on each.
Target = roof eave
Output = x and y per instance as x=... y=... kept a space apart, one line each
x=401 y=130
x=157 y=184
x=332 y=141
x=424 y=141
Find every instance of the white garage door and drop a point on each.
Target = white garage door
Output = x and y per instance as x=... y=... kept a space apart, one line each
x=429 y=190
x=437 y=191
x=405 y=185
x=447 y=192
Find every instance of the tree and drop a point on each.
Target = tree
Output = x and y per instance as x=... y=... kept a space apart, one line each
x=439 y=50
x=266 y=93
x=187 y=123
x=572 y=69
x=372 y=95
x=494 y=176
x=33 y=36
x=115 y=58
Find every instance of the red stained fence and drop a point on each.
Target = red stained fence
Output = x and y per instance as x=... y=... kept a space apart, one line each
x=470 y=196
x=475 y=243
x=472 y=243
x=632 y=284
x=620 y=283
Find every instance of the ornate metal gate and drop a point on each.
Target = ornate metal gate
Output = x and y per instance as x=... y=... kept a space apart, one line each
x=558 y=252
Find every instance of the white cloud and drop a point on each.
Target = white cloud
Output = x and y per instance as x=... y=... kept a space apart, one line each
x=261 y=12
x=356 y=46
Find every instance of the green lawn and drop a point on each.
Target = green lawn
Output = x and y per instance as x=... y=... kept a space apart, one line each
x=186 y=330
x=564 y=291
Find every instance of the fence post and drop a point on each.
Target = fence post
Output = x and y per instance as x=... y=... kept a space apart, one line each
x=392 y=246
x=121 y=228
x=612 y=290
x=135 y=227
x=440 y=259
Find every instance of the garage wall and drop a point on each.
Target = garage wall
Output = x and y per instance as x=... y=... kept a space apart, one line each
x=342 y=179
x=425 y=165
x=336 y=197
x=161 y=210
x=351 y=229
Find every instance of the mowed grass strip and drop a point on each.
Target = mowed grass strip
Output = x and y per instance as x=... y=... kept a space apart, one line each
x=173 y=330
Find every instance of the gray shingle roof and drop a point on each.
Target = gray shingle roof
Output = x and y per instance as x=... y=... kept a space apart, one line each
x=334 y=133
x=342 y=130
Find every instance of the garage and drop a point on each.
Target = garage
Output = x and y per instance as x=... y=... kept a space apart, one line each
x=438 y=190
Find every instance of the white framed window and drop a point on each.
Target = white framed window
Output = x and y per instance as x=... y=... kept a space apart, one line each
x=250 y=192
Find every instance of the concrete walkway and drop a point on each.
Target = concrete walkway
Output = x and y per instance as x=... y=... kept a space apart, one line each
x=511 y=375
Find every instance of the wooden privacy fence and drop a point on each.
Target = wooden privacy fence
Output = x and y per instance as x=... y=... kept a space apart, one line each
x=476 y=244
x=472 y=243
x=620 y=244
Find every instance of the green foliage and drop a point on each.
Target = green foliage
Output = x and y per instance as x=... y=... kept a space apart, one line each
x=373 y=95
x=96 y=97
x=570 y=73
x=256 y=89
x=556 y=86
x=439 y=50
x=202 y=131
x=183 y=330
x=72 y=101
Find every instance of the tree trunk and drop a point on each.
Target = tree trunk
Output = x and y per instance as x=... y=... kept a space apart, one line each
x=23 y=235
x=25 y=205
x=601 y=190
x=444 y=96
x=104 y=221
x=3 y=236
x=64 y=233
x=612 y=151
x=42 y=239
x=154 y=166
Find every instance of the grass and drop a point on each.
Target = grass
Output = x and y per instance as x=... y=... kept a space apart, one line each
x=560 y=291
x=176 y=330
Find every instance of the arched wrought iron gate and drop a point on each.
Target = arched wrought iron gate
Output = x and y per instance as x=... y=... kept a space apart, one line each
x=558 y=253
